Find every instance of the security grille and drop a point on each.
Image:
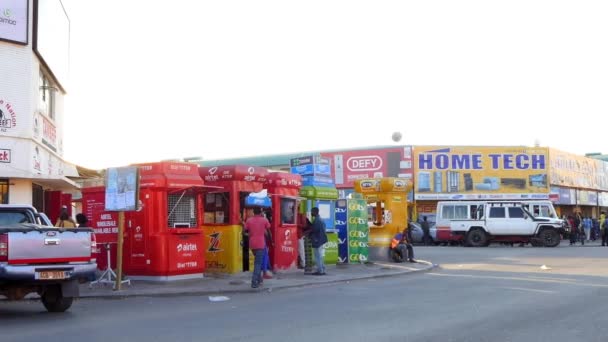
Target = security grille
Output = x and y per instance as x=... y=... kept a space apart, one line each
x=182 y=210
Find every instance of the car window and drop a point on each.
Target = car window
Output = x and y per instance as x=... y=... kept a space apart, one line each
x=515 y=212
x=497 y=212
x=8 y=218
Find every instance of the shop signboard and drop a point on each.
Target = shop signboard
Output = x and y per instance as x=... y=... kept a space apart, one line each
x=349 y=166
x=585 y=197
x=567 y=196
x=602 y=199
x=358 y=231
x=571 y=170
x=477 y=172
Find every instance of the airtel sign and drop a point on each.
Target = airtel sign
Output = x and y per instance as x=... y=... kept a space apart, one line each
x=364 y=163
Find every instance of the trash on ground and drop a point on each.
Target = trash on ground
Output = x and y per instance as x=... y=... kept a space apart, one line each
x=218 y=298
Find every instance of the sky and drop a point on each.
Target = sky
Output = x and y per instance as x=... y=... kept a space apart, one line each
x=155 y=80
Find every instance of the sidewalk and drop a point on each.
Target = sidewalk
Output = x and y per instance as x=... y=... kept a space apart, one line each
x=219 y=284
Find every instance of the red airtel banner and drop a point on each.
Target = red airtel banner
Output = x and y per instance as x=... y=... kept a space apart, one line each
x=348 y=166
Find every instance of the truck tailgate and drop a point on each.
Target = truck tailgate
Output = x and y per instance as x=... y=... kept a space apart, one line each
x=49 y=246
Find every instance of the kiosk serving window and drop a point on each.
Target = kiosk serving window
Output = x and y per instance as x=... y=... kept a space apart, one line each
x=376 y=215
x=217 y=207
x=288 y=211
x=182 y=210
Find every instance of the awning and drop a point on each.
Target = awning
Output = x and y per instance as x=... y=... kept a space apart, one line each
x=198 y=188
x=252 y=201
x=55 y=183
x=318 y=192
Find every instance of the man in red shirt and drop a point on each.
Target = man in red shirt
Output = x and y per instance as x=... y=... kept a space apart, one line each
x=257 y=227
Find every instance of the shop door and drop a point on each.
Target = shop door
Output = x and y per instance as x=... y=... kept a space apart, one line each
x=138 y=234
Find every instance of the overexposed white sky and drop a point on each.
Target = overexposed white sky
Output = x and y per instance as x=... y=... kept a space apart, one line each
x=153 y=80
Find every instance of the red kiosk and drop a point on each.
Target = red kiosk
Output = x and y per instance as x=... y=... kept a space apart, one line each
x=224 y=213
x=163 y=240
x=284 y=189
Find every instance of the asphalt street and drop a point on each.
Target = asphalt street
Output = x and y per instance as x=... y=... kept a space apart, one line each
x=478 y=294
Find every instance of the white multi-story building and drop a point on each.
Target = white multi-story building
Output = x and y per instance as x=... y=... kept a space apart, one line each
x=34 y=61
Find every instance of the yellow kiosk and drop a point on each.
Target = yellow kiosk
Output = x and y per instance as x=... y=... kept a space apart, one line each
x=387 y=211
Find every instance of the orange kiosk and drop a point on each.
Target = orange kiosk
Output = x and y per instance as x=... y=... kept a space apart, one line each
x=284 y=189
x=387 y=211
x=162 y=240
x=225 y=213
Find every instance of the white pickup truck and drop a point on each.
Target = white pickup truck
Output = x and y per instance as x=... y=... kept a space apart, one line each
x=507 y=221
x=37 y=257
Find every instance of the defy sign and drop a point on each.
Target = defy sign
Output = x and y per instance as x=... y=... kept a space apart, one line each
x=364 y=163
x=349 y=166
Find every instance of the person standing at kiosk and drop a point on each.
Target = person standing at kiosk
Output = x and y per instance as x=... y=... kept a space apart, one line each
x=319 y=239
x=257 y=227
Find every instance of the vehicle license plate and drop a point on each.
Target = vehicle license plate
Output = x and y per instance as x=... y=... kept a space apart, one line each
x=50 y=275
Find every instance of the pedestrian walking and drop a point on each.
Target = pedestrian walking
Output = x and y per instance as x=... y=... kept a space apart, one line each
x=587 y=223
x=64 y=220
x=426 y=236
x=82 y=220
x=257 y=227
x=318 y=239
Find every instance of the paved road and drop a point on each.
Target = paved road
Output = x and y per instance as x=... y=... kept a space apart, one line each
x=484 y=294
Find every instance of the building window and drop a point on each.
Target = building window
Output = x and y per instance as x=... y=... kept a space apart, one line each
x=47 y=96
x=3 y=191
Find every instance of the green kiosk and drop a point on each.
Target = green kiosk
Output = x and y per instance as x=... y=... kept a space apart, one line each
x=323 y=198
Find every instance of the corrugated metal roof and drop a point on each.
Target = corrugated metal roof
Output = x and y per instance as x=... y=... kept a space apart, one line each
x=279 y=160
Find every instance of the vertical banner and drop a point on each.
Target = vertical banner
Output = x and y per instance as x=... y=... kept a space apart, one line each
x=342 y=230
x=358 y=231
x=331 y=249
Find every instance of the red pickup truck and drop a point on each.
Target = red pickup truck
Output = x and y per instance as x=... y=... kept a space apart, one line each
x=37 y=257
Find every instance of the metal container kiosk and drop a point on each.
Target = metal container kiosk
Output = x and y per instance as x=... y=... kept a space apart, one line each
x=163 y=239
x=323 y=198
x=225 y=211
x=284 y=189
x=387 y=211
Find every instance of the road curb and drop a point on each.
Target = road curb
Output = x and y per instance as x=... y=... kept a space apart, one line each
x=203 y=292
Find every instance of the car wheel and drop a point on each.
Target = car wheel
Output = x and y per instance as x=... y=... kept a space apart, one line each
x=550 y=237
x=54 y=301
x=477 y=238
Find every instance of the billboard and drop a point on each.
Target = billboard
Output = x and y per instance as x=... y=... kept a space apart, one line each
x=348 y=166
x=572 y=170
x=122 y=188
x=52 y=37
x=14 y=21
x=480 y=172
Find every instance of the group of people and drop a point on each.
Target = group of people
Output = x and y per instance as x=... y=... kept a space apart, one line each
x=66 y=221
x=586 y=228
x=257 y=228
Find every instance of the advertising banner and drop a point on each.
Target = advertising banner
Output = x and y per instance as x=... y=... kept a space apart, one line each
x=571 y=170
x=567 y=196
x=478 y=172
x=122 y=188
x=14 y=21
x=584 y=197
x=331 y=249
x=340 y=225
x=348 y=166
x=358 y=231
